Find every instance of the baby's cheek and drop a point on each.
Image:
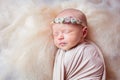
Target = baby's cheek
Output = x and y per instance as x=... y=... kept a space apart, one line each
x=56 y=42
x=68 y=37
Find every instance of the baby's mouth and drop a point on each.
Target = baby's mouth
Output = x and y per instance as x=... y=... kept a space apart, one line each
x=62 y=44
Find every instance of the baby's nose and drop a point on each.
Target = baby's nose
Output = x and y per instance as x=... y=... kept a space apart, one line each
x=60 y=37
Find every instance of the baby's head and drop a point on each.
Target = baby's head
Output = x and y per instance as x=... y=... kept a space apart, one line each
x=69 y=28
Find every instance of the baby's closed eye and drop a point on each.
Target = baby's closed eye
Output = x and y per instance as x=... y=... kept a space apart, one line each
x=55 y=33
x=67 y=31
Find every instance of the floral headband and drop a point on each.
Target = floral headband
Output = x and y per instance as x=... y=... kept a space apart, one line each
x=67 y=20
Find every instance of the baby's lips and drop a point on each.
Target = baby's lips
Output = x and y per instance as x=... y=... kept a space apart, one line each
x=62 y=43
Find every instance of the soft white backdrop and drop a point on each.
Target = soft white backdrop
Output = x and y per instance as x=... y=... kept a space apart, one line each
x=26 y=46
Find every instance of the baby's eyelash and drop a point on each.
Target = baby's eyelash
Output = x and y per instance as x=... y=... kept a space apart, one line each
x=55 y=34
x=67 y=31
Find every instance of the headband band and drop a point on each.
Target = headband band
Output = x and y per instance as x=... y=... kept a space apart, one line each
x=67 y=20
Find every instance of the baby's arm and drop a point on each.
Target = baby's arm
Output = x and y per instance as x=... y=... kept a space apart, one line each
x=86 y=65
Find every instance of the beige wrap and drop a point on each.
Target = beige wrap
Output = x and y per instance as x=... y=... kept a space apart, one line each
x=84 y=62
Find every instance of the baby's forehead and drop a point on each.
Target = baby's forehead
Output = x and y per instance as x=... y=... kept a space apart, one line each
x=64 y=27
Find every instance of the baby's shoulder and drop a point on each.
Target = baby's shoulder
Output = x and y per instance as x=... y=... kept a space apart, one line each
x=87 y=46
x=91 y=50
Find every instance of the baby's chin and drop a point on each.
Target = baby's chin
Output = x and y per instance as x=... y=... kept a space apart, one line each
x=65 y=48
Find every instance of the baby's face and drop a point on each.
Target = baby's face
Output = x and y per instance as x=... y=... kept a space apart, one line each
x=68 y=30
x=67 y=36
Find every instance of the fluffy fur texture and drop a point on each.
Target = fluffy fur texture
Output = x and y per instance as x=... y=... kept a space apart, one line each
x=26 y=46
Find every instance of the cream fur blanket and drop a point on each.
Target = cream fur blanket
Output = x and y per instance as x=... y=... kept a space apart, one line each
x=26 y=47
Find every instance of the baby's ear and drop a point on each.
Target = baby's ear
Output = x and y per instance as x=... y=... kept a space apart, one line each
x=85 y=31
